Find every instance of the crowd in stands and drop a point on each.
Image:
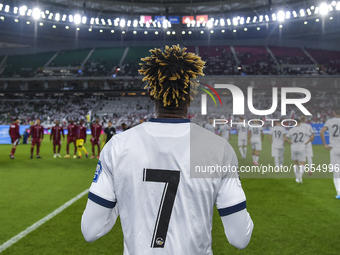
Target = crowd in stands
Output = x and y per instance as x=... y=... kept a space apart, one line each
x=130 y=110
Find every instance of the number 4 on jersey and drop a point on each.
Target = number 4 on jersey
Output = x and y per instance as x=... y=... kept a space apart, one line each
x=171 y=179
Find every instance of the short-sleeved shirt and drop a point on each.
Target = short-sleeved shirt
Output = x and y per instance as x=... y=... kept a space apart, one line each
x=145 y=171
x=310 y=130
x=297 y=136
x=210 y=127
x=242 y=132
x=14 y=131
x=255 y=133
x=277 y=133
x=333 y=126
x=225 y=129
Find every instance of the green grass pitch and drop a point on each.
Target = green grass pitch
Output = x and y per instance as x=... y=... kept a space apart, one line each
x=289 y=218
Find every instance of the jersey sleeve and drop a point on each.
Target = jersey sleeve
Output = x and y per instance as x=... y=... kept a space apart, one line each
x=327 y=124
x=230 y=197
x=102 y=188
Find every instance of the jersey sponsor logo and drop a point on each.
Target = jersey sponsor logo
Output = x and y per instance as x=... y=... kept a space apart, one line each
x=98 y=172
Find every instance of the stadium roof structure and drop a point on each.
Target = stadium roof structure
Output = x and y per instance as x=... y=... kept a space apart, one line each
x=51 y=21
x=178 y=7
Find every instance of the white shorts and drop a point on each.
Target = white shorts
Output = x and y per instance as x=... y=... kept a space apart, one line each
x=299 y=155
x=242 y=142
x=277 y=152
x=335 y=156
x=309 y=151
x=256 y=145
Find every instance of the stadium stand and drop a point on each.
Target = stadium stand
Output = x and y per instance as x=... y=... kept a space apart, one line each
x=102 y=61
x=255 y=60
x=25 y=65
x=69 y=58
x=220 y=60
x=291 y=56
x=330 y=60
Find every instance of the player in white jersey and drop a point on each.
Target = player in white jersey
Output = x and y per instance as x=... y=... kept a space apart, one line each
x=298 y=145
x=309 y=147
x=144 y=173
x=277 y=135
x=242 y=132
x=210 y=126
x=333 y=125
x=255 y=139
x=225 y=131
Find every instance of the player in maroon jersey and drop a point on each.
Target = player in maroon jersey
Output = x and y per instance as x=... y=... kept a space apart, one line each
x=37 y=133
x=96 y=130
x=71 y=138
x=81 y=138
x=15 y=136
x=56 y=133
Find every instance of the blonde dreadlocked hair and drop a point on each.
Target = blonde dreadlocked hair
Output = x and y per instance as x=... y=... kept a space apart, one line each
x=168 y=74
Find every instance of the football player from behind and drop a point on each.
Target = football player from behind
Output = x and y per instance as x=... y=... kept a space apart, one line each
x=277 y=135
x=255 y=139
x=333 y=125
x=15 y=136
x=298 y=148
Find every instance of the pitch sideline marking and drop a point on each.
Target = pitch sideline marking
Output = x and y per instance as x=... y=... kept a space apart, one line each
x=31 y=228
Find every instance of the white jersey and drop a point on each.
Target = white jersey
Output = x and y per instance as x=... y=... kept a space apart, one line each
x=242 y=132
x=277 y=133
x=210 y=127
x=255 y=133
x=310 y=129
x=297 y=136
x=225 y=129
x=145 y=172
x=333 y=126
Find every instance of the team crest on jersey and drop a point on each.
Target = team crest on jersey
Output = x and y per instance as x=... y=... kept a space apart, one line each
x=98 y=171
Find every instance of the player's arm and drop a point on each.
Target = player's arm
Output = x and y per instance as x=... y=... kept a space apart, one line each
x=51 y=136
x=287 y=138
x=101 y=211
x=42 y=132
x=284 y=138
x=249 y=136
x=322 y=135
x=17 y=129
x=270 y=138
x=231 y=205
x=309 y=140
x=104 y=136
x=262 y=135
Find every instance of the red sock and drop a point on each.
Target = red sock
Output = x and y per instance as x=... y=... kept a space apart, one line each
x=54 y=148
x=13 y=151
x=75 y=148
x=92 y=150
x=32 y=148
x=67 y=148
x=38 y=150
x=59 y=147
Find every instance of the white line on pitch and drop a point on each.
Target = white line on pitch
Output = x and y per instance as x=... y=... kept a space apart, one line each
x=28 y=230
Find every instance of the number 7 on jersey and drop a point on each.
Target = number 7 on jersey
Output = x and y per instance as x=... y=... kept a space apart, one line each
x=171 y=179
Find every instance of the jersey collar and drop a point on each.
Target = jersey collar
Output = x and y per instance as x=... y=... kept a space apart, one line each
x=169 y=120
